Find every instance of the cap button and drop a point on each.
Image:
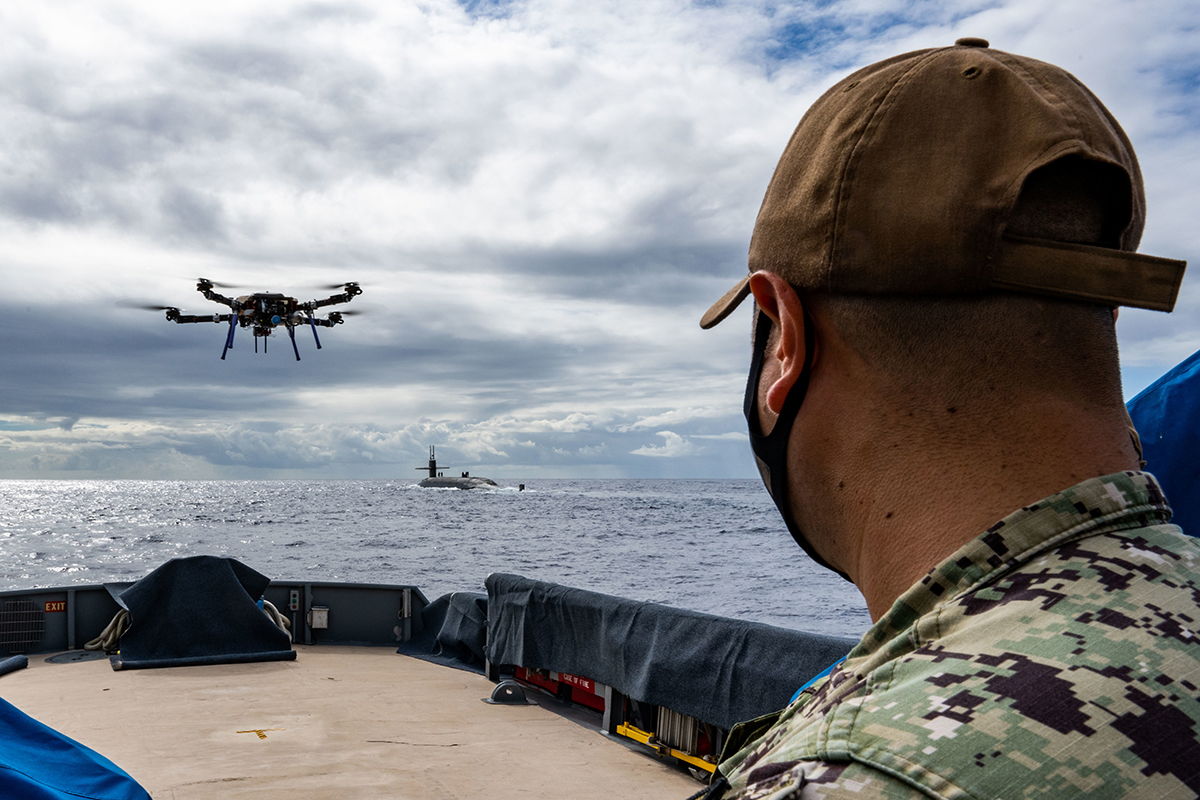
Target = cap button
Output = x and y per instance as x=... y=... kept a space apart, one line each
x=971 y=41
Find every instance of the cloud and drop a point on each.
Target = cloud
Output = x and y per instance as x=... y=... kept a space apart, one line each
x=731 y=436
x=678 y=415
x=507 y=446
x=674 y=447
x=541 y=197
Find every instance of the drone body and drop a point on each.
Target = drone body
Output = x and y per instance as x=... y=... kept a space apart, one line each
x=266 y=311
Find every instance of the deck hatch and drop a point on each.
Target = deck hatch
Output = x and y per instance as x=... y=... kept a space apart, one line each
x=22 y=625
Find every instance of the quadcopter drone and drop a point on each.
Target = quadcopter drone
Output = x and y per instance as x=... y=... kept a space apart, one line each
x=266 y=311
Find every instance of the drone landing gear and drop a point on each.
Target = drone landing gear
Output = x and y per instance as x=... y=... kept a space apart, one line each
x=313 y=325
x=233 y=318
x=292 y=336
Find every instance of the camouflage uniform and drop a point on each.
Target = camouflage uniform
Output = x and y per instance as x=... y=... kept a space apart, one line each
x=1055 y=655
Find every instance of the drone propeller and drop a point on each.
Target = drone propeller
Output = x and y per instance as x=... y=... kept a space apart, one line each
x=215 y=283
x=144 y=306
x=332 y=286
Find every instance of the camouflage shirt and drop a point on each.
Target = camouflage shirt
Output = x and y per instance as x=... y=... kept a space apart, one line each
x=1056 y=655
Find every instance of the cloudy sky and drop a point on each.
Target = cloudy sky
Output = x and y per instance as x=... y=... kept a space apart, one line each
x=539 y=198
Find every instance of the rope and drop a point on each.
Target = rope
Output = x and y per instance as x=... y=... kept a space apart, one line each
x=282 y=622
x=110 y=638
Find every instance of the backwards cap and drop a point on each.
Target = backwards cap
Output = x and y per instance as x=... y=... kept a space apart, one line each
x=901 y=179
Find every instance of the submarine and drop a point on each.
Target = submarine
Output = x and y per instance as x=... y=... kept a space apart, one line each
x=464 y=481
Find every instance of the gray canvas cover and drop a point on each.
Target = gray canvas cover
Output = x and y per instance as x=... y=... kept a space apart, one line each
x=453 y=632
x=719 y=670
x=196 y=611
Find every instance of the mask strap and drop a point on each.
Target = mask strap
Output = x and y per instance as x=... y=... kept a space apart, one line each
x=770 y=450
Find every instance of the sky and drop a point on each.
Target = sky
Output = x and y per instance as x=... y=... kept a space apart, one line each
x=539 y=199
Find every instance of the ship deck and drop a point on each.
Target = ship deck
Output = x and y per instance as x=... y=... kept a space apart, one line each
x=338 y=722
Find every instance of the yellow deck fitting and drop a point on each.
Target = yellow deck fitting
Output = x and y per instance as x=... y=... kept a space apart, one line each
x=262 y=732
x=648 y=739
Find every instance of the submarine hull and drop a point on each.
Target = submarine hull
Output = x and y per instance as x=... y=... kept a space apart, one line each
x=457 y=483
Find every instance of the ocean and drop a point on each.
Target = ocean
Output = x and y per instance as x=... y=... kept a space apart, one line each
x=716 y=546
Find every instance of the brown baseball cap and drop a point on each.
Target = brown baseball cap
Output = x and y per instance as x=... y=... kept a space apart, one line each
x=902 y=178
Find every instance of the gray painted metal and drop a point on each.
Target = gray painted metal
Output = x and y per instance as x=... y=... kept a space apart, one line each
x=374 y=614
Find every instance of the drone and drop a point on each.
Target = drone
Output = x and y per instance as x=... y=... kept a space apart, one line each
x=265 y=312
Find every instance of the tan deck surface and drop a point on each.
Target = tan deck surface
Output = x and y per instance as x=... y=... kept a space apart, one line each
x=340 y=722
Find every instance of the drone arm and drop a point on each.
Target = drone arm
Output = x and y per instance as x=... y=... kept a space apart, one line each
x=185 y=318
x=209 y=294
x=352 y=290
x=334 y=319
x=328 y=301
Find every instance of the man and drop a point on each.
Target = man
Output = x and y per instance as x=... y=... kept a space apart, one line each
x=935 y=406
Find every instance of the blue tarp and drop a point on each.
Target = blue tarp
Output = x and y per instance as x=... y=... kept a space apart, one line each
x=39 y=763
x=1167 y=417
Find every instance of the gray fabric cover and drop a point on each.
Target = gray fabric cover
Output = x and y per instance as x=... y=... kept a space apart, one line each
x=453 y=632
x=719 y=670
x=198 y=610
x=13 y=664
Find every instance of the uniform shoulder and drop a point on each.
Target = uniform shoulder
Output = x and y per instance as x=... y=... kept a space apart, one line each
x=819 y=780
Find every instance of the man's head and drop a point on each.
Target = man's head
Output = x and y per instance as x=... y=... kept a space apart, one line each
x=962 y=222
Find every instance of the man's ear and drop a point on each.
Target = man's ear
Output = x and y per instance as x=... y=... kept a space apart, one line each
x=778 y=300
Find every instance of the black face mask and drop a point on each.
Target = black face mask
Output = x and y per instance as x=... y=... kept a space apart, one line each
x=770 y=450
